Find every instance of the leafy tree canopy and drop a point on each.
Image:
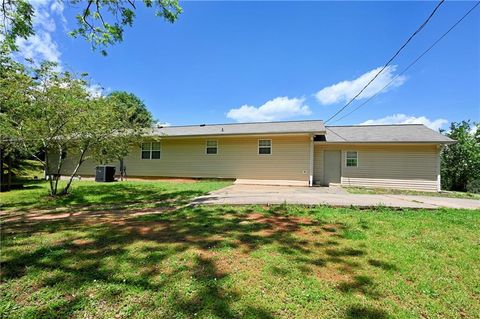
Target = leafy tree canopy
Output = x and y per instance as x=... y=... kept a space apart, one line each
x=129 y=103
x=51 y=111
x=100 y=22
x=461 y=160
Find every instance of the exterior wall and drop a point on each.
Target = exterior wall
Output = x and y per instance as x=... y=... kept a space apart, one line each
x=237 y=158
x=87 y=168
x=412 y=167
x=400 y=166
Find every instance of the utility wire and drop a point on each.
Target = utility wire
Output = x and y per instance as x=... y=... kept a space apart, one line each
x=411 y=64
x=389 y=61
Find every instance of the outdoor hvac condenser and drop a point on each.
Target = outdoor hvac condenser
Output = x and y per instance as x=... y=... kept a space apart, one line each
x=105 y=173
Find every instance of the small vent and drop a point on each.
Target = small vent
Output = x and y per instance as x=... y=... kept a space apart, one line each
x=319 y=138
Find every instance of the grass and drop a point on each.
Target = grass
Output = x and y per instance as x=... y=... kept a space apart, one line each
x=233 y=262
x=28 y=170
x=451 y=194
x=96 y=196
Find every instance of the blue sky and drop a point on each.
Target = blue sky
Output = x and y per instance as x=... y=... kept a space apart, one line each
x=256 y=61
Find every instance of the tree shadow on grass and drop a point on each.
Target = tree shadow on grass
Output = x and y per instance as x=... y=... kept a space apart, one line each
x=111 y=195
x=362 y=312
x=128 y=200
x=382 y=264
x=171 y=249
x=360 y=284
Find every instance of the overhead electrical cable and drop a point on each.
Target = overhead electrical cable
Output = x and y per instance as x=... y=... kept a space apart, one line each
x=413 y=62
x=391 y=59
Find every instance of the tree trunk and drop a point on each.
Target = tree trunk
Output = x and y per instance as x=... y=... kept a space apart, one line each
x=59 y=168
x=48 y=172
x=9 y=180
x=2 y=177
x=80 y=162
x=121 y=169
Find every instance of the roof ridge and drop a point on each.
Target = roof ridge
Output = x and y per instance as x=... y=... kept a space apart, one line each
x=242 y=123
x=367 y=125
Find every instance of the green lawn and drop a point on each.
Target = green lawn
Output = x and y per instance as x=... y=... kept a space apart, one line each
x=365 y=190
x=28 y=170
x=232 y=262
x=96 y=196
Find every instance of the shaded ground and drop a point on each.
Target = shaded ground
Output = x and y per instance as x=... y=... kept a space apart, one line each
x=237 y=262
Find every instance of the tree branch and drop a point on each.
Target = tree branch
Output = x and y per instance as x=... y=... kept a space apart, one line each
x=99 y=14
x=85 y=15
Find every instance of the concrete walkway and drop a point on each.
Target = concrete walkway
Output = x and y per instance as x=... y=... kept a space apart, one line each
x=332 y=196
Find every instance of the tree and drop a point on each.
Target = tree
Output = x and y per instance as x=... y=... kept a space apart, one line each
x=57 y=115
x=15 y=87
x=100 y=22
x=129 y=103
x=461 y=161
x=102 y=133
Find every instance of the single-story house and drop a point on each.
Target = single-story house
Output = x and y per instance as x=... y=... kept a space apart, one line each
x=290 y=153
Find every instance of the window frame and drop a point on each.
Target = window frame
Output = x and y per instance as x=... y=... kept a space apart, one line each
x=150 y=150
x=159 y=150
x=258 y=146
x=207 y=147
x=356 y=158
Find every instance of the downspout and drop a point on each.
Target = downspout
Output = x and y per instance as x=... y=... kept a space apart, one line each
x=310 y=179
x=439 y=163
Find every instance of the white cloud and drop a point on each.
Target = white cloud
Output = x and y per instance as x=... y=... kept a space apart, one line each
x=406 y=119
x=41 y=46
x=346 y=90
x=163 y=124
x=279 y=108
x=95 y=90
x=473 y=130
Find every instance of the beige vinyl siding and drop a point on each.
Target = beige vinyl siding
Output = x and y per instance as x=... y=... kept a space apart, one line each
x=413 y=184
x=391 y=166
x=87 y=168
x=237 y=158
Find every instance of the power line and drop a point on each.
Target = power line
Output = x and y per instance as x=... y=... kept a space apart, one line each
x=411 y=64
x=391 y=59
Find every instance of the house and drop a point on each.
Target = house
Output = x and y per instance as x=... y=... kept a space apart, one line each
x=291 y=153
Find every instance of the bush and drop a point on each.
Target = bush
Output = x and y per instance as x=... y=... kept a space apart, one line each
x=461 y=160
x=473 y=186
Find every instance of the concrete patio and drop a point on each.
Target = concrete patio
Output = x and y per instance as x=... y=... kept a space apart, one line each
x=332 y=196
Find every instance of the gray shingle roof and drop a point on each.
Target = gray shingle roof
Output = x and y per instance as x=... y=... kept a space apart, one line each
x=243 y=128
x=397 y=133
x=401 y=133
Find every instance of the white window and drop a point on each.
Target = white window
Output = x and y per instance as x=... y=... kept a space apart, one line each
x=352 y=159
x=146 y=150
x=264 y=147
x=151 y=150
x=211 y=147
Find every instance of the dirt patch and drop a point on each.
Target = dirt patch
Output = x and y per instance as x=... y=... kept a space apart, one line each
x=332 y=275
x=82 y=242
x=104 y=215
x=49 y=216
